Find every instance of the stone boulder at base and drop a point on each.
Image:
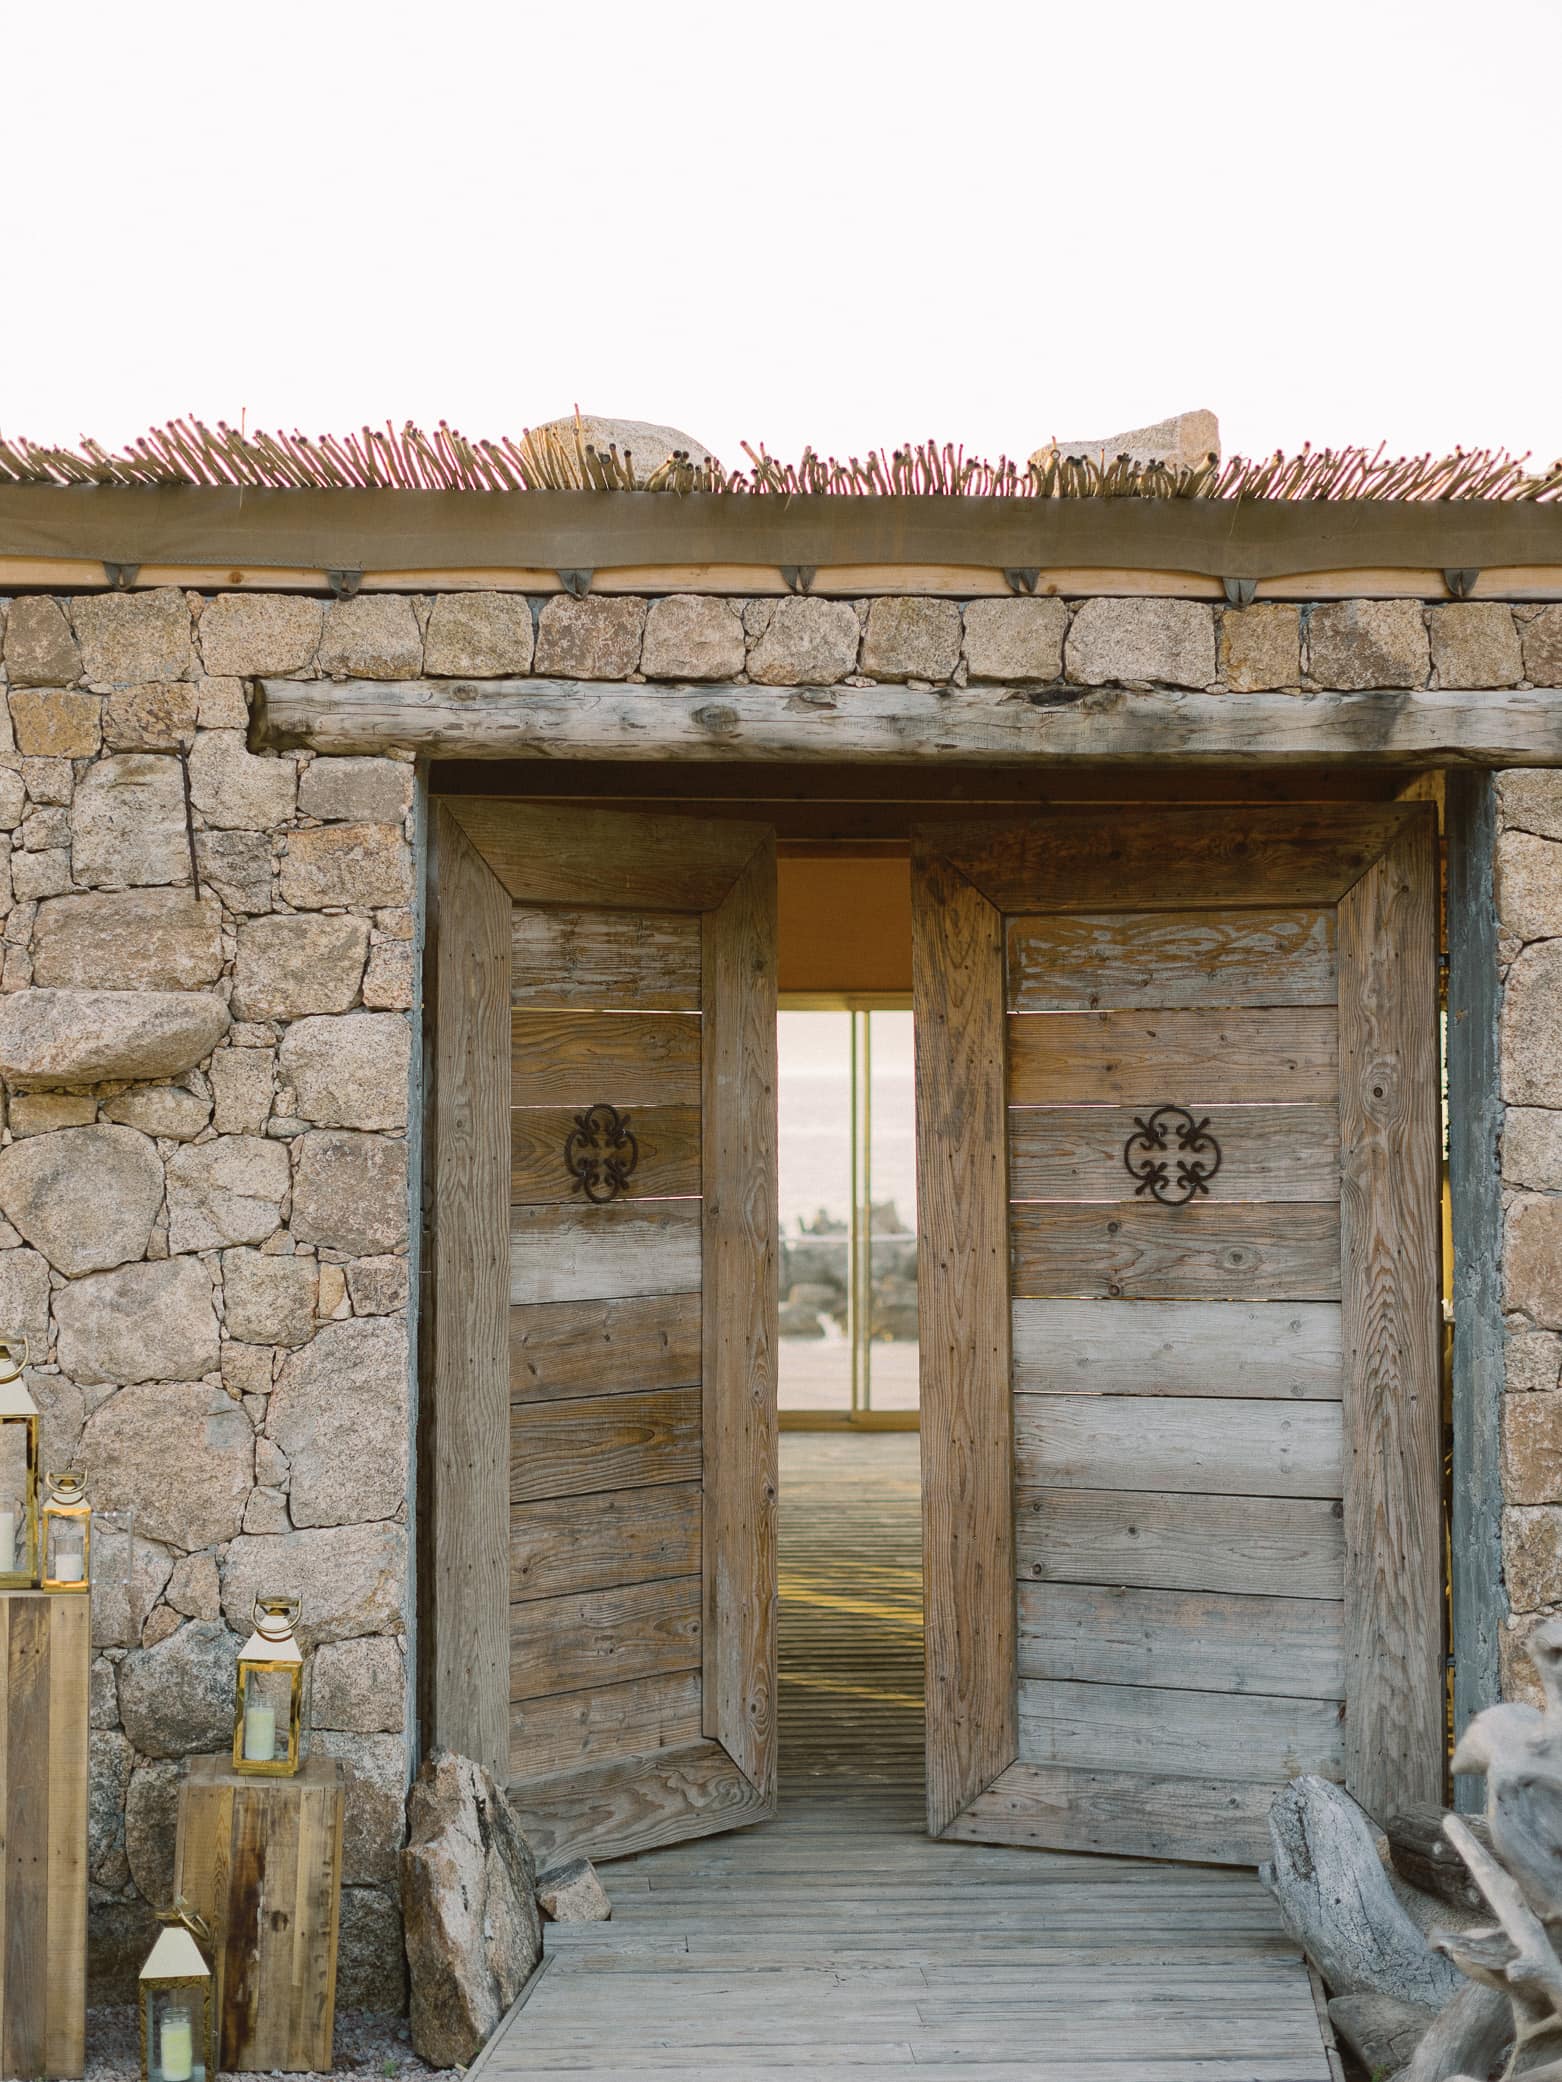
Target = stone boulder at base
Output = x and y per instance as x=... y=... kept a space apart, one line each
x=468 y=1895
x=51 y=1039
x=572 y=1893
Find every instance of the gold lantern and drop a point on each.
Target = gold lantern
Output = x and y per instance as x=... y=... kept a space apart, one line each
x=18 y=1470
x=270 y=1700
x=65 y=1534
x=180 y=2002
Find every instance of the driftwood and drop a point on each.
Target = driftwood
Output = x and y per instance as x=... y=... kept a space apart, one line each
x=1380 y=2030
x=1423 y=1857
x=1336 y=1901
x=1469 y=2037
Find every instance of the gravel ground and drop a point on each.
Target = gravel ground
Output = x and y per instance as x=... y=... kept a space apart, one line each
x=367 y=2045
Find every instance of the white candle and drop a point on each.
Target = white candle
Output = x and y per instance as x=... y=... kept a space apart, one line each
x=176 y=2048
x=69 y=1559
x=260 y=1736
x=7 y=1538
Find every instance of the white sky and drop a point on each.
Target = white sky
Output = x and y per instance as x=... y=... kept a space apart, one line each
x=849 y=224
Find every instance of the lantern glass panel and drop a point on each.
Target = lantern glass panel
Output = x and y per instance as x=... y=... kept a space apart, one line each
x=268 y=1717
x=176 y=2031
x=65 y=1532
x=18 y=1500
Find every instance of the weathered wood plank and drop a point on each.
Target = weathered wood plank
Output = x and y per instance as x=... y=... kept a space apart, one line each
x=1123 y=1727
x=1186 y=1640
x=604 y=1637
x=1209 y=1249
x=741 y=1250
x=605 y=1724
x=575 y=1059
x=463 y=1580
x=610 y=1810
x=599 y=719
x=1285 y=1349
x=569 y=957
x=616 y=859
x=1390 y=1240
x=1281 y=1546
x=1216 y=1821
x=1186 y=1058
x=1267 y=1153
x=1208 y=1445
x=1101 y=961
x=623 y=1536
x=968 y=1528
x=1475 y=1194
x=564 y=1348
x=629 y=1247
x=667 y=1155
x=68 y=1770
x=592 y=1443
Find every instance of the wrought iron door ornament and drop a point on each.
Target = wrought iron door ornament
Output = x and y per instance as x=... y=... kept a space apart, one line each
x=1197 y=1161
x=600 y=1153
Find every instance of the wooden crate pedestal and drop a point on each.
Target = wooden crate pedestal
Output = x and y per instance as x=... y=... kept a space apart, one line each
x=261 y=1859
x=44 y=1658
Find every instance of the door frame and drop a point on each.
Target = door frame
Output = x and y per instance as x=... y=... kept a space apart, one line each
x=726 y=871
x=1378 y=864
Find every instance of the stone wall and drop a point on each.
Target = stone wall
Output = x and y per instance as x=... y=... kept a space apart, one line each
x=204 y=1192
x=204 y=1166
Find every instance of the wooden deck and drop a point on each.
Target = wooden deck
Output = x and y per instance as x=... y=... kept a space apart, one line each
x=838 y=1944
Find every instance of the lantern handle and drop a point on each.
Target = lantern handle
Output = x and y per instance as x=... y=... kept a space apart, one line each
x=70 y=1485
x=8 y=1358
x=290 y=1609
x=191 y=1918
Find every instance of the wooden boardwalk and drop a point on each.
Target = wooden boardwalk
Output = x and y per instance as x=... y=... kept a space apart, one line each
x=838 y=1944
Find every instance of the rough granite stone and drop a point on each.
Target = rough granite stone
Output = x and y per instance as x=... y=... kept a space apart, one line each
x=151 y=1821
x=128 y=824
x=269 y=1299
x=241 y=1081
x=128 y=638
x=194 y=1588
x=237 y=864
x=152 y=1322
x=40 y=874
x=350 y=1191
x=911 y=639
x=373 y=636
x=388 y=979
x=50 y=781
x=359 y=1687
x=377 y=1286
x=597 y=638
x=56 y=723
x=1529 y=885
x=1164 y=642
x=109 y=1762
x=228 y=1191
x=347 y=1072
x=353 y=1579
x=180 y=1454
x=40 y=650
x=572 y=1893
x=243 y=635
x=62 y=1406
x=692 y=636
x=376 y=1821
x=1261 y=647
x=339 y=1413
x=237 y=790
x=469 y=1903
x=40 y=1113
x=176 y=1699
x=1530 y=799
x=1532 y=1448
x=1475 y=644
x=85 y=1197
x=1356 y=644
x=165 y=1110
x=371 y=1969
x=13 y=799
x=1532 y=1260
x=366 y=865
x=159 y=717
x=1541 y=637
x=356 y=791
x=223 y=705
x=289 y=964
x=24 y=1292
x=59 y=1038
x=128 y=939
x=806 y=643
x=1532 y=1361
x=1531 y=1027
x=125 y=1587
x=1018 y=642
x=1532 y=1148
x=478 y=636
x=1532 y=1556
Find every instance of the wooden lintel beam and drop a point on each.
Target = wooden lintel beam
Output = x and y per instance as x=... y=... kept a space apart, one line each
x=597 y=719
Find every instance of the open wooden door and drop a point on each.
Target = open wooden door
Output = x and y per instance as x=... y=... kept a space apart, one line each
x=599 y=1444
x=1178 y=1160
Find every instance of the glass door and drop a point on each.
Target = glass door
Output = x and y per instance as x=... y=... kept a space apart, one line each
x=848 y=1280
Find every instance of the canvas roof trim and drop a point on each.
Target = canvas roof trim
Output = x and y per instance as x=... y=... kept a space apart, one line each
x=188 y=452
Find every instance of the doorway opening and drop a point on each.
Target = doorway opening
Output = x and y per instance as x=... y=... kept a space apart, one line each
x=850 y=1700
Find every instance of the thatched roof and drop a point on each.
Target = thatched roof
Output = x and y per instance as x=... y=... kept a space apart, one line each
x=562 y=457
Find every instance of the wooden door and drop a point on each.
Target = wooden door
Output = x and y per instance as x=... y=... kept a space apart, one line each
x=600 y=1568
x=1178 y=1159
